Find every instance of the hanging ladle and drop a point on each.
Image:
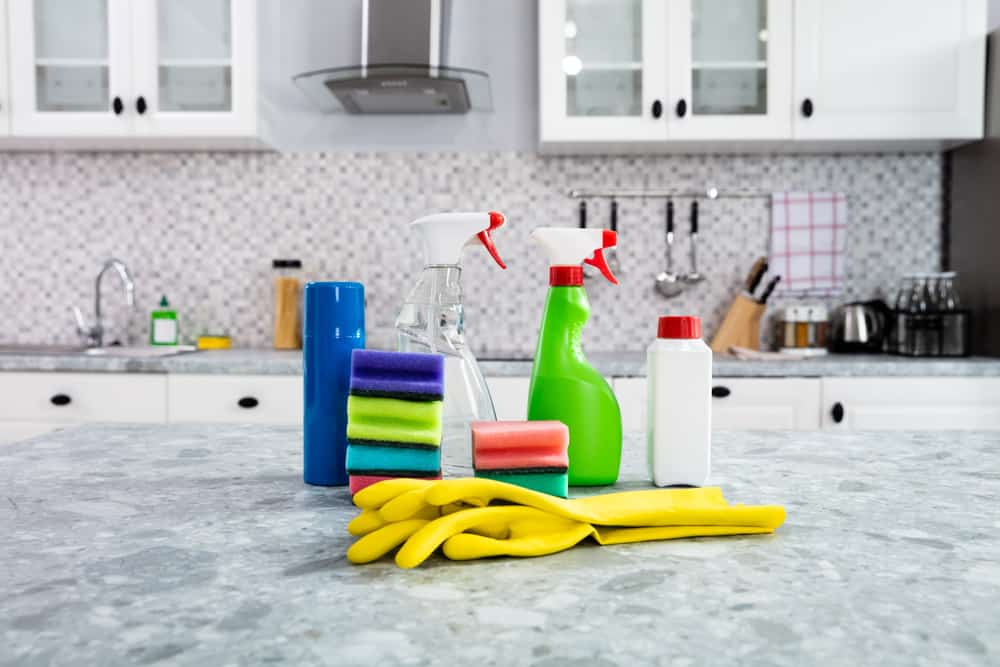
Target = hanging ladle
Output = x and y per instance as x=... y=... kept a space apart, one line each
x=668 y=283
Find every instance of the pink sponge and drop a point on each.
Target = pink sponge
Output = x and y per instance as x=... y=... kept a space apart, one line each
x=358 y=482
x=531 y=446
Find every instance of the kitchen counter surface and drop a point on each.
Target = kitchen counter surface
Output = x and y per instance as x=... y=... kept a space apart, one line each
x=611 y=364
x=200 y=545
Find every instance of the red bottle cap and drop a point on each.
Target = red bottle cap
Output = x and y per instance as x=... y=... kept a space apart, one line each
x=679 y=327
x=565 y=276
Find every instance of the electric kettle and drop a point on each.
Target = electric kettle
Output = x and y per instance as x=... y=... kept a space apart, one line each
x=860 y=326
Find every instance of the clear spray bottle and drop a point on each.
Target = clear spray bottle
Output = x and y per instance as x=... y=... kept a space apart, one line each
x=432 y=319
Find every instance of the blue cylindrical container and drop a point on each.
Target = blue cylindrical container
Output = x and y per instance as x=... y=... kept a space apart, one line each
x=334 y=327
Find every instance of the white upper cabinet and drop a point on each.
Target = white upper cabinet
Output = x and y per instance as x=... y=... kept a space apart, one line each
x=721 y=75
x=730 y=69
x=891 y=69
x=134 y=72
x=70 y=71
x=602 y=68
x=194 y=67
x=4 y=90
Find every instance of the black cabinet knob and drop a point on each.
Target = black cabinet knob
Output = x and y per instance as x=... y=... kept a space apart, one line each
x=657 y=109
x=60 y=400
x=807 y=108
x=140 y=105
x=719 y=391
x=682 y=108
x=837 y=412
x=117 y=106
x=248 y=402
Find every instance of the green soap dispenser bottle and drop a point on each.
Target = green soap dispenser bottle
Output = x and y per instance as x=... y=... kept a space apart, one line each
x=563 y=385
x=163 y=324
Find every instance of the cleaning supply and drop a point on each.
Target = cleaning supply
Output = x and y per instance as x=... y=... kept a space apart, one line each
x=394 y=416
x=214 y=342
x=459 y=515
x=334 y=328
x=432 y=317
x=679 y=402
x=564 y=386
x=287 y=304
x=524 y=453
x=163 y=324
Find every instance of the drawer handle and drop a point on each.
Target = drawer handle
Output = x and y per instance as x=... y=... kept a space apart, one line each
x=61 y=400
x=837 y=412
x=657 y=109
x=248 y=402
x=682 y=108
x=720 y=391
x=807 y=108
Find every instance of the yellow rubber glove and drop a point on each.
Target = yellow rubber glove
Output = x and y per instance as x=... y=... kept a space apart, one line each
x=543 y=525
x=653 y=507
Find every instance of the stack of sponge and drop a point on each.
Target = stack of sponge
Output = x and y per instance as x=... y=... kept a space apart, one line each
x=394 y=416
x=531 y=454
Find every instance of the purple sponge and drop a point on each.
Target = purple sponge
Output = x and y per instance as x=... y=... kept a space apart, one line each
x=410 y=376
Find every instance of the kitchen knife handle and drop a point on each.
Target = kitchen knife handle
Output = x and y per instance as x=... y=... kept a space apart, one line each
x=694 y=217
x=670 y=216
x=770 y=288
x=583 y=215
x=614 y=215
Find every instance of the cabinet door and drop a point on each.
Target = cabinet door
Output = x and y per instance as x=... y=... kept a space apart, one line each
x=890 y=69
x=195 y=69
x=4 y=90
x=907 y=404
x=70 y=68
x=730 y=69
x=738 y=403
x=83 y=397
x=602 y=65
x=255 y=399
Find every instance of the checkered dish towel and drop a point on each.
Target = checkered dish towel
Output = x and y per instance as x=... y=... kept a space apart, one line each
x=808 y=238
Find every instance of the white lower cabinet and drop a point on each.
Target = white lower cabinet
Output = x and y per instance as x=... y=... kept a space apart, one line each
x=256 y=399
x=911 y=403
x=738 y=403
x=510 y=397
x=35 y=403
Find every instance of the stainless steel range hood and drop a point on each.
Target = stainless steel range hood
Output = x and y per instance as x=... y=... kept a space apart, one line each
x=404 y=66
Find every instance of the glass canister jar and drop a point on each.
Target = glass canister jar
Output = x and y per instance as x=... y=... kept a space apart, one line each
x=287 y=304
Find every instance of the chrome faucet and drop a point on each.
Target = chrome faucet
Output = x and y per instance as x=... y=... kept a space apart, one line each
x=94 y=335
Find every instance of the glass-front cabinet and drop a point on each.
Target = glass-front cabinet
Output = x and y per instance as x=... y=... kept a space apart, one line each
x=69 y=67
x=133 y=68
x=194 y=69
x=615 y=71
x=602 y=68
x=730 y=68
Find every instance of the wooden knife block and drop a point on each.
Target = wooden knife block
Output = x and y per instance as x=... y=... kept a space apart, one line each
x=741 y=326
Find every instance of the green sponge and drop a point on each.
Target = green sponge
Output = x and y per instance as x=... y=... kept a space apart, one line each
x=392 y=420
x=552 y=483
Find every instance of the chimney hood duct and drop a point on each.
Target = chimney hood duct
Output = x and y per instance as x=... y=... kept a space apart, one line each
x=404 y=66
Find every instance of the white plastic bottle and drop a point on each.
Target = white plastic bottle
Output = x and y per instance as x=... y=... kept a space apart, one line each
x=679 y=409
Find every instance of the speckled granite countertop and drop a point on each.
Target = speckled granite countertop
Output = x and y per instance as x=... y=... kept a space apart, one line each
x=200 y=545
x=611 y=364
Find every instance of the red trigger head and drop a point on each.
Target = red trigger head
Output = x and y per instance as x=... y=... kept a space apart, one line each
x=496 y=220
x=598 y=261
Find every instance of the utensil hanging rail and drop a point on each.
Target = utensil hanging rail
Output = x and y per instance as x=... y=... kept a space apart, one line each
x=664 y=193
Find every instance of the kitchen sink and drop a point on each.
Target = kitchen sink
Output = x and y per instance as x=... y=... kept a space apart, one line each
x=47 y=350
x=137 y=352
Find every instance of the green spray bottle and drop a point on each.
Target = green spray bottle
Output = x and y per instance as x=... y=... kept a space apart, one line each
x=563 y=385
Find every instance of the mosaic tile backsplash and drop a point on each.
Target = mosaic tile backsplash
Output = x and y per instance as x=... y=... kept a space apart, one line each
x=202 y=229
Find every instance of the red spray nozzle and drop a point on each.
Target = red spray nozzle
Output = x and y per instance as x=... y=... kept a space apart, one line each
x=496 y=220
x=598 y=261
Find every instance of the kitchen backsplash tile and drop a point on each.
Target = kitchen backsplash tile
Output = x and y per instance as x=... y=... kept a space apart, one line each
x=202 y=228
